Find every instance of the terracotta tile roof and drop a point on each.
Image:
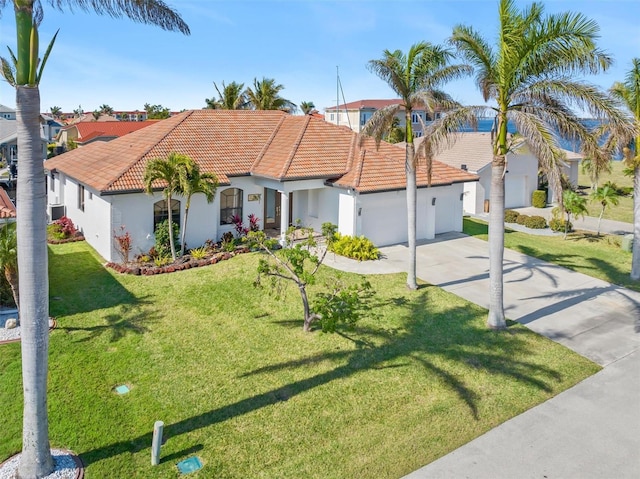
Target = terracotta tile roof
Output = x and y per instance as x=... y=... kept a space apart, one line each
x=383 y=169
x=7 y=208
x=365 y=104
x=269 y=144
x=91 y=130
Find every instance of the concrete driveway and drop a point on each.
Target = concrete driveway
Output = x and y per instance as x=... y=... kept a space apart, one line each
x=589 y=431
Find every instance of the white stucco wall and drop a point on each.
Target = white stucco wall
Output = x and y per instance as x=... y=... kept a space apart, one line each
x=521 y=180
x=94 y=222
x=384 y=215
x=316 y=206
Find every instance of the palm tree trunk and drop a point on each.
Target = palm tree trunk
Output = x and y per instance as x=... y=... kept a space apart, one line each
x=11 y=276
x=600 y=219
x=496 y=319
x=36 y=460
x=184 y=229
x=410 y=171
x=635 y=258
x=170 y=224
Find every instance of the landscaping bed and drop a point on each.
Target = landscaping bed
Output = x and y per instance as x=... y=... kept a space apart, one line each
x=183 y=263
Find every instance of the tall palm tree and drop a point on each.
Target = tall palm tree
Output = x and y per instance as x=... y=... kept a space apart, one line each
x=232 y=97
x=36 y=460
x=628 y=92
x=307 y=107
x=9 y=258
x=606 y=195
x=195 y=182
x=265 y=95
x=415 y=77
x=171 y=175
x=530 y=76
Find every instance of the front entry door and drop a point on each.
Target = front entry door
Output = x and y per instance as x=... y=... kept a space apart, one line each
x=271 y=209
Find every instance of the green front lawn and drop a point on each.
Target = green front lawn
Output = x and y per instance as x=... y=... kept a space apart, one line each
x=236 y=381
x=624 y=210
x=597 y=256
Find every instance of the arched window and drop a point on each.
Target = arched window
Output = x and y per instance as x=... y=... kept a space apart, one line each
x=160 y=212
x=230 y=205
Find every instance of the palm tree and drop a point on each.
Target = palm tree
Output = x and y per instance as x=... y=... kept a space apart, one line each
x=56 y=111
x=195 y=182
x=573 y=205
x=415 y=77
x=307 y=107
x=36 y=460
x=232 y=97
x=606 y=196
x=529 y=74
x=265 y=95
x=595 y=169
x=628 y=92
x=96 y=115
x=106 y=109
x=172 y=174
x=9 y=258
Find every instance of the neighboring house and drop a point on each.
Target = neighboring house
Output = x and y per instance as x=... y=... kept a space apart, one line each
x=280 y=167
x=7 y=208
x=50 y=127
x=7 y=113
x=86 y=132
x=356 y=114
x=472 y=152
x=9 y=141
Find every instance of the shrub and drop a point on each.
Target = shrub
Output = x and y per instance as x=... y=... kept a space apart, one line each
x=163 y=246
x=511 y=216
x=123 y=244
x=539 y=199
x=557 y=224
x=162 y=260
x=522 y=219
x=54 y=231
x=358 y=247
x=535 y=222
x=199 y=253
x=66 y=227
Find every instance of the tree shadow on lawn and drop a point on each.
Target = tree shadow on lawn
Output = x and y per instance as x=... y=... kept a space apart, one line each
x=448 y=345
x=80 y=284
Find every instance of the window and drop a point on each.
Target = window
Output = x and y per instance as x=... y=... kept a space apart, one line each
x=415 y=117
x=161 y=213
x=230 y=205
x=81 y=197
x=52 y=183
x=364 y=117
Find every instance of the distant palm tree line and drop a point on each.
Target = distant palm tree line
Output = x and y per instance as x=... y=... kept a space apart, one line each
x=262 y=95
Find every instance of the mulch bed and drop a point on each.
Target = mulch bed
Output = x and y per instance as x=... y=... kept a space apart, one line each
x=181 y=264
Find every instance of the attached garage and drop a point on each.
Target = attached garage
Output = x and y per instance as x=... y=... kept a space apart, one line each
x=515 y=191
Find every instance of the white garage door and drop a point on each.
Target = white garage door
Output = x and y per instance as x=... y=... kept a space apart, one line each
x=514 y=191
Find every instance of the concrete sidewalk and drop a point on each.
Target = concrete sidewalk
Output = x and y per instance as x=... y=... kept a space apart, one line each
x=588 y=431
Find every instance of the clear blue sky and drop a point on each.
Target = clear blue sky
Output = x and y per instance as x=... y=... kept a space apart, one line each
x=299 y=43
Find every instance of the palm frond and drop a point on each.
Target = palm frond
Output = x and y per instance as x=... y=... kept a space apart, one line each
x=8 y=72
x=153 y=12
x=380 y=123
x=46 y=56
x=476 y=51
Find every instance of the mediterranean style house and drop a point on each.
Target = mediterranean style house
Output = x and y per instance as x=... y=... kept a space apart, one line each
x=356 y=114
x=282 y=168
